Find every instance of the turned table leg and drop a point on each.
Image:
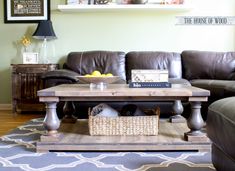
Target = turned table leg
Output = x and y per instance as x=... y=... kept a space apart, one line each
x=177 y=111
x=51 y=123
x=195 y=123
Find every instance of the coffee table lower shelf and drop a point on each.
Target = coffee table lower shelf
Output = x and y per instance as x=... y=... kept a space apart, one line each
x=75 y=137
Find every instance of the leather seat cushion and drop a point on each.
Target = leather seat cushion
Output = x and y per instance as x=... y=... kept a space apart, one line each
x=179 y=81
x=218 y=88
x=221 y=125
x=222 y=161
x=230 y=89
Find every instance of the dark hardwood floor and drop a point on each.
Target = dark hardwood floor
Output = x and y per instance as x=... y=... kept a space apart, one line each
x=10 y=121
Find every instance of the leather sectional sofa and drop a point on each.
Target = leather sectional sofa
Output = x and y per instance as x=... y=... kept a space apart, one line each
x=214 y=71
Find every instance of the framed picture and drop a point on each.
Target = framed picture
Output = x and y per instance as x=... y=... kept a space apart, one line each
x=30 y=58
x=26 y=11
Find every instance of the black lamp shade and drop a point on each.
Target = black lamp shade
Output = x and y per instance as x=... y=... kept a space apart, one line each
x=44 y=30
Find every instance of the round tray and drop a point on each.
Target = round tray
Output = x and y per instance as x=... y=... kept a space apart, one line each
x=97 y=80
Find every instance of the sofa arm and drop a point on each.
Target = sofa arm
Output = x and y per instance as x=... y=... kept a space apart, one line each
x=61 y=74
x=57 y=77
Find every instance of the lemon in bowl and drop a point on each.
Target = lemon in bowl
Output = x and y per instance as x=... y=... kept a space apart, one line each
x=109 y=75
x=96 y=73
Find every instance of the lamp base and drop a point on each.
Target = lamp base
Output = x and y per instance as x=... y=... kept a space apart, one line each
x=46 y=61
x=44 y=58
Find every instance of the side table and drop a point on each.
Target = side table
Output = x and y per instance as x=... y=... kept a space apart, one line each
x=25 y=84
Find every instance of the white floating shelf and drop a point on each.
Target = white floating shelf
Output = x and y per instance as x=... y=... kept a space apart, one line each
x=114 y=7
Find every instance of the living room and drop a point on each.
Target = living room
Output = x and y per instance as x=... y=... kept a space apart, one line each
x=144 y=28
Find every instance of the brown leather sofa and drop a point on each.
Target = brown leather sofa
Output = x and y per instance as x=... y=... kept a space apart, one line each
x=214 y=71
x=220 y=129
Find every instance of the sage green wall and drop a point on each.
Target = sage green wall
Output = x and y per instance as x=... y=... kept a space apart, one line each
x=124 y=31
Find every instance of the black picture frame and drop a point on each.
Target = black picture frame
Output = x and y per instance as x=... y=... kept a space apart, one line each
x=26 y=11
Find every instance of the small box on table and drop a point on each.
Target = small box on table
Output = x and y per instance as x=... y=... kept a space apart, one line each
x=147 y=75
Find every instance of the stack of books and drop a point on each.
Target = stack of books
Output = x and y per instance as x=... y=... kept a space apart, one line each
x=149 y=79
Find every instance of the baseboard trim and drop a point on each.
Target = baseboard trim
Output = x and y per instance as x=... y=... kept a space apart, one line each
x=5 y=106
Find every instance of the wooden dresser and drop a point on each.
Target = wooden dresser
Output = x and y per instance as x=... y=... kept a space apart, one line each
x=25 y=84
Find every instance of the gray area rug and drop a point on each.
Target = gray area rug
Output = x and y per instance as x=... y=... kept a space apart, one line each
x=17 y=152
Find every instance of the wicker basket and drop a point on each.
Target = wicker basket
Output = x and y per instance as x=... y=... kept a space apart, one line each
x=124 y=125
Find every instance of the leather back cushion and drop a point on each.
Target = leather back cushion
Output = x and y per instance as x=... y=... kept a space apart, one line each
x=103 y=61
x=208 y=65
x=154 y=60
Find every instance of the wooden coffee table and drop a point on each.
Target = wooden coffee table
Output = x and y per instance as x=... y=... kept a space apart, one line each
x=70 y=138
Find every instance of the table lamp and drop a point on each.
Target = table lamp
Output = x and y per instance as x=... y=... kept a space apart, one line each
x=44 y=32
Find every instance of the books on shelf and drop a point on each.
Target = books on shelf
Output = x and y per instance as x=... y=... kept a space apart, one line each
x=149 y=85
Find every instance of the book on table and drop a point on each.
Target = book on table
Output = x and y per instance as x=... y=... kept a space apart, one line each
x=149 y=85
